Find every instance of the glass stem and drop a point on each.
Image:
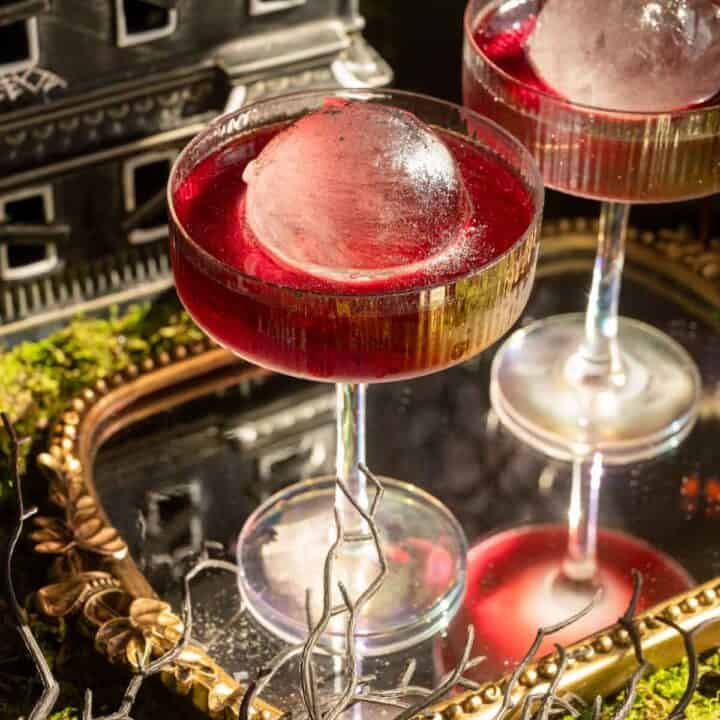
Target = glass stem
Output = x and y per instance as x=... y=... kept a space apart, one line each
x=350 y=455
x=580 y=565
x=599 y=355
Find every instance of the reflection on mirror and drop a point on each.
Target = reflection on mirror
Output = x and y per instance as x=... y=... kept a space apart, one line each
x=187 y=478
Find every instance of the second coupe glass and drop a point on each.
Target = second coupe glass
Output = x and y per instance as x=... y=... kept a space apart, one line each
x=574 y=385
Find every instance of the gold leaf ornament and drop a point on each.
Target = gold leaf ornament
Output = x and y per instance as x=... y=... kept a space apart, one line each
x=94 y=535
x=52 y=536
x=70 y=596
x=106 y=605
x=57 y=485
x=67 y=565
x=150 y=630
x=221 y=699
x=84 y=527
x=190 y=669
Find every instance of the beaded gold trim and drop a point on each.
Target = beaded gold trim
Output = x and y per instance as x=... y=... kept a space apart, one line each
x=602 y=663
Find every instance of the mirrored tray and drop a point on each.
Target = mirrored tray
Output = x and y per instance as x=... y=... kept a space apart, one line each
x=178 y=452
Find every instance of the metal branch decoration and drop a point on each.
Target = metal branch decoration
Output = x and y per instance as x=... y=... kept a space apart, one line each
x=507 y=703
x=357 y=689
x=51 y=689
x=628 y=624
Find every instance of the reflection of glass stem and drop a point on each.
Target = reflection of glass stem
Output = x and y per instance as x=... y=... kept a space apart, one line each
x=350 y=455
x=596 y=364
x=580 y=565
x=598 y=360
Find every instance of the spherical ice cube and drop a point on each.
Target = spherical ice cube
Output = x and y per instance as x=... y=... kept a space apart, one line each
x=356 y=191
x=632 y=55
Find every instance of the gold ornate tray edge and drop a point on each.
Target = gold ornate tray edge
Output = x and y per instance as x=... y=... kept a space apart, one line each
x=97 y=581
x=602 y=663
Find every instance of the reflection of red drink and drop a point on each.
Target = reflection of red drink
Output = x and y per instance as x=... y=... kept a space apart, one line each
x=607 y=155
x=512 y=590
x=304 y=325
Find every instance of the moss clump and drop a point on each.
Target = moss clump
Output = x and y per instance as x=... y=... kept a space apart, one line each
x=66 y=714
x=659 y=693
x=37 y=379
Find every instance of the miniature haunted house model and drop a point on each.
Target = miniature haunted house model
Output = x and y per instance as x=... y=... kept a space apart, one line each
x=97 y=97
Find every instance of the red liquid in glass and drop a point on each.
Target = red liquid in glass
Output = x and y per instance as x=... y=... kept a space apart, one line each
x=596 y=153
x=304 y=325
x=507 y=50
x=510 y=593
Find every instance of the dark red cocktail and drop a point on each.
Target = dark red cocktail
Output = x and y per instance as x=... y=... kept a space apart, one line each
x=595 y=152
x=384 y=329
x=354 y=237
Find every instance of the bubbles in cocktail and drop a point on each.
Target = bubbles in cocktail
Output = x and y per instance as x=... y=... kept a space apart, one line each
x=357 y=190
x=634 y=55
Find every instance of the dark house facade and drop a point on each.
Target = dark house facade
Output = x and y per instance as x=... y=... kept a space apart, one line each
x=97 y=97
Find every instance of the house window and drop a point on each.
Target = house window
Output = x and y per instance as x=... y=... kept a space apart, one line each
x=144 y=181
x=263 y=7
x=141 y=21
x=19 y=48
x=22 y=258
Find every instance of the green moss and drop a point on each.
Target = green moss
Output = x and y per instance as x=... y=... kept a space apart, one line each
x=66 y=714
x=659 y=693
x=37 y=379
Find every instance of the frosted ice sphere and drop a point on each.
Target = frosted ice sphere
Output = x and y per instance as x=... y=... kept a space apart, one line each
x=634 y=55
x=355 y=191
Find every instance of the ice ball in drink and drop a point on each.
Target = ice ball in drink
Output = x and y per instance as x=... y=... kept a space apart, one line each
x=633 y=55
x=356 y=191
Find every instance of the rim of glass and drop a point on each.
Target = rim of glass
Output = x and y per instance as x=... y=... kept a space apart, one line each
x=537 y=189
x=471 y=24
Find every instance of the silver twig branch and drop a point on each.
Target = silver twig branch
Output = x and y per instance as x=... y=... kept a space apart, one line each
x=315 y=709
x=357 y=689
x=688 y=637
x=51 y=689
x=354 y=609
x=506 y=706
x=447 y=683
x=644 y=667
x=548 y=700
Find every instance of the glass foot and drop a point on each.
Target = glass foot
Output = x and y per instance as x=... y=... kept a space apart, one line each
x=646 y=410
x=517 y=574
x=282 y=551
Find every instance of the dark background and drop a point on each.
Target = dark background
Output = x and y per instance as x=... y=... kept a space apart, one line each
x=422 y=41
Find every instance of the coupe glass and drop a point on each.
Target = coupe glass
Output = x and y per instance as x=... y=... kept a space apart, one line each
x=574 y=385
x=353 y=339
x=595 y=389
